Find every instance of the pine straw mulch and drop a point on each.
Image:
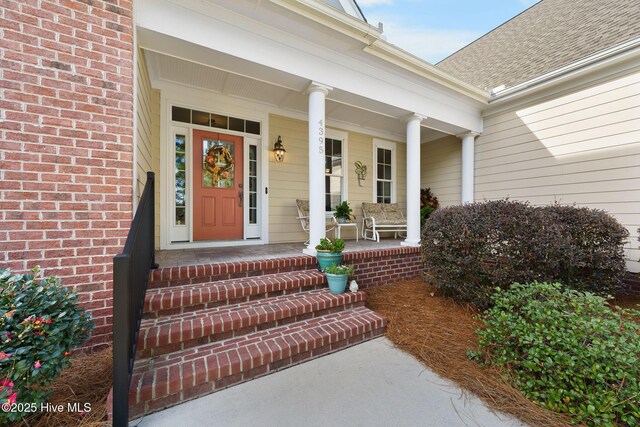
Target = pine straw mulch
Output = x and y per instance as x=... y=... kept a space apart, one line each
x=438 y=332
x=87 y=379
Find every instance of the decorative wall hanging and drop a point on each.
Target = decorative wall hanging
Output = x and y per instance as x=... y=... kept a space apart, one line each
x=361 y=171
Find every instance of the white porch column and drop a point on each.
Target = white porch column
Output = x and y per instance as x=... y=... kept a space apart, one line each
x=413 y=181
x=468 y=153
x=317 y=93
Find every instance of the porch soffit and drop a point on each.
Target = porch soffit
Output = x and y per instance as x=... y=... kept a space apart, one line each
x=341 y=107
x=281 y=58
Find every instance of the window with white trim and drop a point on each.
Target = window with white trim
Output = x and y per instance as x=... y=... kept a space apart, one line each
x=334 y=173
x=385 y=172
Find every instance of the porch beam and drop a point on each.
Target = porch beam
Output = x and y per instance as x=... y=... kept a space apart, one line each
x=317 y=96
x=468 y=155
x=413 y=181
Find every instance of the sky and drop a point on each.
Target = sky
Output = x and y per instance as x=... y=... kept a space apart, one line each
x=434 y=29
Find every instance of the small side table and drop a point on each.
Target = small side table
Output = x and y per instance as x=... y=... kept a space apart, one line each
x=346 y=224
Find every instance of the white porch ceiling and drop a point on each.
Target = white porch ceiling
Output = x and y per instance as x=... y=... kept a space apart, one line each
x=241 y=79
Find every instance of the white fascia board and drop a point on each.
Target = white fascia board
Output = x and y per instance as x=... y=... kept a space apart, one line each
x=383 y=49
x=616 y=60
x=241 y=36
x=343 y=22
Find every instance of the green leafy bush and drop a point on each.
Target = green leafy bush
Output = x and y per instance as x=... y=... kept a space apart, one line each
x=469 y=250
x=40 y=324
x=566 y=350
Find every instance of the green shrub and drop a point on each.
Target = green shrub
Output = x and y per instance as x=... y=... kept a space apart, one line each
x=40 y=324
x=469 y=250
x=566 y=350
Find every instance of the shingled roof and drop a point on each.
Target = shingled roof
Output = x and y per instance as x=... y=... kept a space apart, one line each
x=543 y=38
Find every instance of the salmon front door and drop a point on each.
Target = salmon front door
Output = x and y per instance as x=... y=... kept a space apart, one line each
x=217 y=189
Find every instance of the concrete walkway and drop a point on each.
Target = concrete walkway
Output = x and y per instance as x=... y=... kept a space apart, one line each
x=371 y=384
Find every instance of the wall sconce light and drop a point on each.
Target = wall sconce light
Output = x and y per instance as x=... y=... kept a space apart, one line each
x=278 y=150
x=361 y=172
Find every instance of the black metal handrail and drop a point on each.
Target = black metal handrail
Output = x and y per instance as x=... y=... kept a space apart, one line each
x=130 y=276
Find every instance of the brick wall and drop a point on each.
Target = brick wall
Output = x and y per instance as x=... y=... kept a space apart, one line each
x=372 y=268
x=379 y=267
x=66 y=138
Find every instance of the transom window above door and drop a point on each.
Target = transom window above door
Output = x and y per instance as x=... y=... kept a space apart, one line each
x=202 y=118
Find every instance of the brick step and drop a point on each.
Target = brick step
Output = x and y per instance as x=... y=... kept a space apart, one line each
x=181 y=299
x=203 y=273
x=171 y=333
x=176 y=377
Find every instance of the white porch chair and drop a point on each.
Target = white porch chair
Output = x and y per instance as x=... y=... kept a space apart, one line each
x=303 y=216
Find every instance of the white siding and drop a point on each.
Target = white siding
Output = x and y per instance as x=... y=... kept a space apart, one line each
x=441 y=169
x=581 y=148
x=289 y=180
x=148 y=135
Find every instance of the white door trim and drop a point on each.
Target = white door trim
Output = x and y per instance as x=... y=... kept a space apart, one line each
x=194 y=99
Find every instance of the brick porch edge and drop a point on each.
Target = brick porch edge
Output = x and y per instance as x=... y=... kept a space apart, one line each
x=372 y=268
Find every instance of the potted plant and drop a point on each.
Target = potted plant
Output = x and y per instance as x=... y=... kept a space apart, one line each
x=337 y=276
x=329 y=252
x=342 y=212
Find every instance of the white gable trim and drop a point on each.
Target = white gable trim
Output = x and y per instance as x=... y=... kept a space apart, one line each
x=618 y=59
x=352 y=9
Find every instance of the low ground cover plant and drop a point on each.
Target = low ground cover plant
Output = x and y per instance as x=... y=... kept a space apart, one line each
x=469 y=250
x=40 y=324
x=566 y=350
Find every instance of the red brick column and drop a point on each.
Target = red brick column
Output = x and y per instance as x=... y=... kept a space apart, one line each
x=66 y=142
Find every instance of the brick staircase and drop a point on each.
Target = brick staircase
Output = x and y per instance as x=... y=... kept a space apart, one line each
x=207 y=327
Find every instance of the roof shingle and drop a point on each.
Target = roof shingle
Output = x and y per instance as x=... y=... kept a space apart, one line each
x=543 y=38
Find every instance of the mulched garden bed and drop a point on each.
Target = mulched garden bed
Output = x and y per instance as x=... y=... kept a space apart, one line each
x=86 y=380
x=434 y=329
x=439 y=332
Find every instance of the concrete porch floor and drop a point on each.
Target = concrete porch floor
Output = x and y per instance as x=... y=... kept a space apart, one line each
x=371 y=384
x=182 y=257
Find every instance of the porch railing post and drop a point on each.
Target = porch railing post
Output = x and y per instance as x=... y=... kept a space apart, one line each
x=121 y=342
x=130 y=278
x=151 y=177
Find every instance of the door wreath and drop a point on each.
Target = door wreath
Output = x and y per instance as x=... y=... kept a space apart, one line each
x=219 y=162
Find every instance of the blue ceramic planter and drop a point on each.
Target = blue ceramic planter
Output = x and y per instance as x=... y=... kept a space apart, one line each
x=327 y=259
x=337 y=282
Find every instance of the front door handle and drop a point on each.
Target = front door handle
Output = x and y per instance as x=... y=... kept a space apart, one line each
x=240 y=197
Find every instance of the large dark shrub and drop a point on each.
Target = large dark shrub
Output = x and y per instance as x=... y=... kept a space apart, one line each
x=566 y=350
x=469 y=250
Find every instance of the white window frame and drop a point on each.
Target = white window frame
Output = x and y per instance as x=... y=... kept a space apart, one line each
x=387 y=145
x=252 y=231
x=180 y=233
x=341 y=136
